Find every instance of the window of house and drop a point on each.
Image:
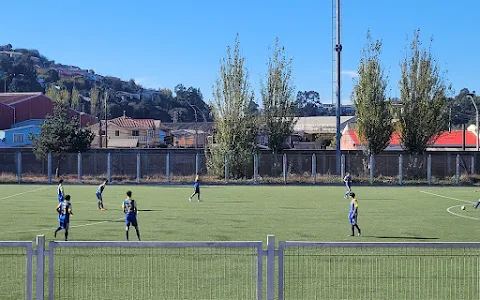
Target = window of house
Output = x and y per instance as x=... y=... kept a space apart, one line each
x=117 y=132
x=135 y=133
x=18 y=137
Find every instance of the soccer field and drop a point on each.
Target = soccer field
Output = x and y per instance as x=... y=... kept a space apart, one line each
x=244 y=213
x=237 y=213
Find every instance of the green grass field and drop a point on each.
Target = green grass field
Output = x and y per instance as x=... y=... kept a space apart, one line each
x=226 y=213
x=239 y=213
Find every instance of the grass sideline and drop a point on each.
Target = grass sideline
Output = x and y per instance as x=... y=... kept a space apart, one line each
x=227 y=213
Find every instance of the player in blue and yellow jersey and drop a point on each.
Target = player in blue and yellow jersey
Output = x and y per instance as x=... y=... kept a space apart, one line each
x=353 y=214
x=60 y=191
x=347 y=180
x=64 y=210
x=196 y=189
x=478 y=201
x=130 y=209
x=99 y=192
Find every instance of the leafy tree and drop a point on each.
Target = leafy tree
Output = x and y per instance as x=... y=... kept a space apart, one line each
x=61 y=134
x=374 y=118
x=52 y=93
x=462 y=110
x=423 y=97
x=52 y=76
x=277 y=99
x=75 y=99
x=65 y=97
x=236 y=129
x=308 y=104
x=94 y=104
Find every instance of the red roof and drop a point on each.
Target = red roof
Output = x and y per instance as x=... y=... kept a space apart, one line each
x=11 y=98
x=127 y=122
x=445 y=139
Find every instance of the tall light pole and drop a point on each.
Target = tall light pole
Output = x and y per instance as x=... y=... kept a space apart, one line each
x=106 y=115
x=472 y=97
x=338 y=49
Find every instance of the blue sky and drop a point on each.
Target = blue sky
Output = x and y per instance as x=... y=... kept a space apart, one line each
x=163 y=43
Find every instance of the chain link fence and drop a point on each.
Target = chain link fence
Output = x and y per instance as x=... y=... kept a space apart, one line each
x=293 y=166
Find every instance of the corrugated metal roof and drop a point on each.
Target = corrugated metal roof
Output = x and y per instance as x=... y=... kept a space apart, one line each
x=128 y=122
x=320 y=124
x=9 y=98
x=122 y=143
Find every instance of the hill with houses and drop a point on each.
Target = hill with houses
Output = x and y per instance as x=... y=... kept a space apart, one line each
x=25 y=70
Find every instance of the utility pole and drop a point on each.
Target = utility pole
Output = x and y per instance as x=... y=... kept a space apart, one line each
x=196 y=124
x=472 y=97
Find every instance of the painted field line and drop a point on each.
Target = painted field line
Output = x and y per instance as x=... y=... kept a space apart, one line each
x=30 y=191
x=446 y=197
x=461 y=216
x=71 y=226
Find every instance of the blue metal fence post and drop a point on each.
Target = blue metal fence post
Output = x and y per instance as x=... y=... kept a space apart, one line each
x=168 y=167
x=284 y=168
x=49 y=167
x=109 y=167
x=255 y=168
x=429 y=169
x=138 y=168
x=372 y=168
x=19 y=167
x=457 y=169
x=226 y=167
x=197 y=163
x=79 y=167
x=314 y=168
x=400 y=169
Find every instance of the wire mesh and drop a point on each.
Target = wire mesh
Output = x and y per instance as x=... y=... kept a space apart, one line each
x=13 y=262
x=386 y=165
x=155 y=273
x=31 y=165
x=94 y=164
x=124 y=165
x=183 y=164
x=66 y=163
x=381 y=273
x=154 y=165
x=8 y=163
x=270 y=165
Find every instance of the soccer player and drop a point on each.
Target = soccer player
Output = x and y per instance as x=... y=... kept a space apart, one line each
x=64 y=210
x=99 y=194
x=130 y=209
x=60 y=191
x=353 y=215
x=478 y=201
x=348 y=182
x=196 y=189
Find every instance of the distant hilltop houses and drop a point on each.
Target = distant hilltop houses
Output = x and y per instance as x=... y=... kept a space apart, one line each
x=66 y=71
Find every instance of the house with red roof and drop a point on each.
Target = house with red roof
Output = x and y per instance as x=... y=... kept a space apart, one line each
x=447 y=140
x=126 y=132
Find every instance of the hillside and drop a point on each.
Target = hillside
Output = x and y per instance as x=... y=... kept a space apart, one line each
x=25 y=70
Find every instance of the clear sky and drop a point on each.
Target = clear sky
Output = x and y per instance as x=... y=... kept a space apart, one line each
x=164 y=43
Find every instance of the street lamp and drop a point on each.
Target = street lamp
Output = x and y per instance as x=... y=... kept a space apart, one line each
x=472 y=97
